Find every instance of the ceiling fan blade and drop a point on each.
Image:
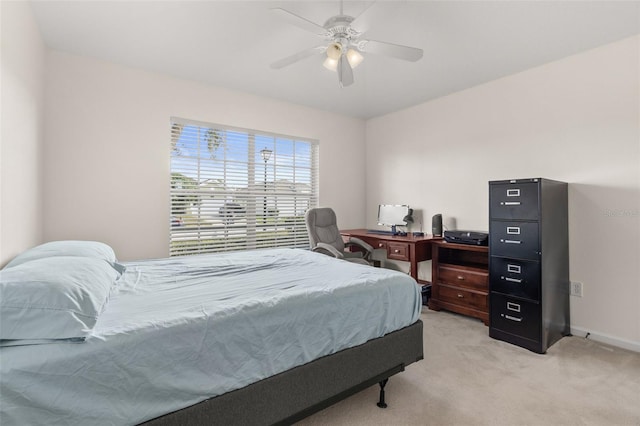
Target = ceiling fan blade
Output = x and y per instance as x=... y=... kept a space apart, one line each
x=389 y=49
x=297 y=57
x=300 y=22
x=377 y=12
x=345 y=72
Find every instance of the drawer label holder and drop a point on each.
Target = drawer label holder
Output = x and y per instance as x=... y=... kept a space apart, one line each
x=513 y=307
x=514 y=269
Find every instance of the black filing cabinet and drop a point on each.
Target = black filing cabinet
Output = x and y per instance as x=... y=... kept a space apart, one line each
x=528 y=262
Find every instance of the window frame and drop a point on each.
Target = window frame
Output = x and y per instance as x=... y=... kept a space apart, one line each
x=268 y=211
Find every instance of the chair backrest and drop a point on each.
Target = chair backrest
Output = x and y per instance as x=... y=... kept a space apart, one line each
x=322 y=227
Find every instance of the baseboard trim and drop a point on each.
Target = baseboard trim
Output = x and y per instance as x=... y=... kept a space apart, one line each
x=609 y=340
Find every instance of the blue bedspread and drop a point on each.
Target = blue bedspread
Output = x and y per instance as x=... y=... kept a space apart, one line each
x=181 y=330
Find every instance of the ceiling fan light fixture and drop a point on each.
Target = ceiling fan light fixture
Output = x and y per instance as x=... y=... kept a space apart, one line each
x=330 y=64
x=345 y=47
x=354 y=57
x=334 y=51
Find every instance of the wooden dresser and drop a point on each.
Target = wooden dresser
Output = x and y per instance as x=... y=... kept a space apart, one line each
x=460 y=279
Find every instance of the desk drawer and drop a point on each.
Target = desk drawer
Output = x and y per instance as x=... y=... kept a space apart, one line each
x=459 y=277
x=463 y=297
x=379 y=245
x=398 y=251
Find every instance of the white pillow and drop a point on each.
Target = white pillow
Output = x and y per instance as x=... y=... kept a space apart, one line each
x=93 y=249
x=57 y=297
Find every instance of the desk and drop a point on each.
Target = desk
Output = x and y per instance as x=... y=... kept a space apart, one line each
x=407 y=248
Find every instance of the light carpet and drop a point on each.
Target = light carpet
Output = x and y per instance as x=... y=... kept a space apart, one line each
x=468 y=378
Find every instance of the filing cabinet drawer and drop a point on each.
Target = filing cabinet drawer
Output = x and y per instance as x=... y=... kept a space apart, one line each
x=514 y=201
x=515 y=316
x=515 y=277
x=398 y=251
x=461 y=296
x=459 y=277
x=515 y=239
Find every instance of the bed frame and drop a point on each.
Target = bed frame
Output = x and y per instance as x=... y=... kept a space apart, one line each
x=290 y=396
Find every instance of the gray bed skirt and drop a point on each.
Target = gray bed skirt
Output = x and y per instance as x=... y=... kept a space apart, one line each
x=297 y=393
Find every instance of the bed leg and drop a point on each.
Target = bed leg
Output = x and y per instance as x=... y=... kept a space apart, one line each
x=381 y=403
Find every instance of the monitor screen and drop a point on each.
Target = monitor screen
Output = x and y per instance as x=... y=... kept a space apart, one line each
x=392 y=214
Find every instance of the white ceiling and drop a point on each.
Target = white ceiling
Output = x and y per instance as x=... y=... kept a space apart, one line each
x=232 y=43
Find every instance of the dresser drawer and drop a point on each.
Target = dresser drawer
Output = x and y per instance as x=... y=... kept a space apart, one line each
x=514 y=239
x=398 y=251
x=514 y=201
x=515 y=277
x=516 y=316
x=459 y=277
x=463 y=296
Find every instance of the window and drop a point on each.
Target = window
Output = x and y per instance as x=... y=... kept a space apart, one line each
x=238 y=189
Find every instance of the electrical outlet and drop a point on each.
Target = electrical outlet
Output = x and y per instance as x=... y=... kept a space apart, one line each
x=576 y=288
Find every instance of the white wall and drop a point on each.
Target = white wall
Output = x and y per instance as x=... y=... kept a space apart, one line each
x=21 y=135
x=574 y=120
x=106 y=155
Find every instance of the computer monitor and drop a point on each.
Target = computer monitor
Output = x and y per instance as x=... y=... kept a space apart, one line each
x=392 y=215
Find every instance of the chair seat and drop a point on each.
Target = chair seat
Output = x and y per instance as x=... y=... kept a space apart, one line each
x=358 y=260
x=352 y=255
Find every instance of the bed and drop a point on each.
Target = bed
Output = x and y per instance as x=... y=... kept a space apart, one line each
x=259 y=337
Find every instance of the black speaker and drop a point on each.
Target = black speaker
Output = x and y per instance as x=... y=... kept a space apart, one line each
x=436 y=225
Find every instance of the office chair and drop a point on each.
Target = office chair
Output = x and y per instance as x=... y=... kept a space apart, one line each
x=324 y=237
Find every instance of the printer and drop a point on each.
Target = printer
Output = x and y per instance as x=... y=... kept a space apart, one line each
x=475 y=238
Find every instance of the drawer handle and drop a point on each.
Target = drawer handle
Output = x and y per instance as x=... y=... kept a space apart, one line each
x=460 y=295
x=513 y=192
x=513 y=307
x=512 y=280
x=510 y=203
x=396 y=251
x=509 y=317
x=511 y=241
x=460 y=277
x=513 y=268
x=380 y=245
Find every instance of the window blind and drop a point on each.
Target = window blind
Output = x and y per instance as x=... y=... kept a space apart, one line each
x=238 y=189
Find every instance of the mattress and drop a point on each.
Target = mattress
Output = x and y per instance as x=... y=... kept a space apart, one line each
x=181 y=330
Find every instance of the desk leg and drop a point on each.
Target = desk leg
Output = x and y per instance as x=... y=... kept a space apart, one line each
x=413 y=261
x=419 y=253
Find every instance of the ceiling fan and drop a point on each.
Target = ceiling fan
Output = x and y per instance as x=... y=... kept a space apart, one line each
x=343 y=44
